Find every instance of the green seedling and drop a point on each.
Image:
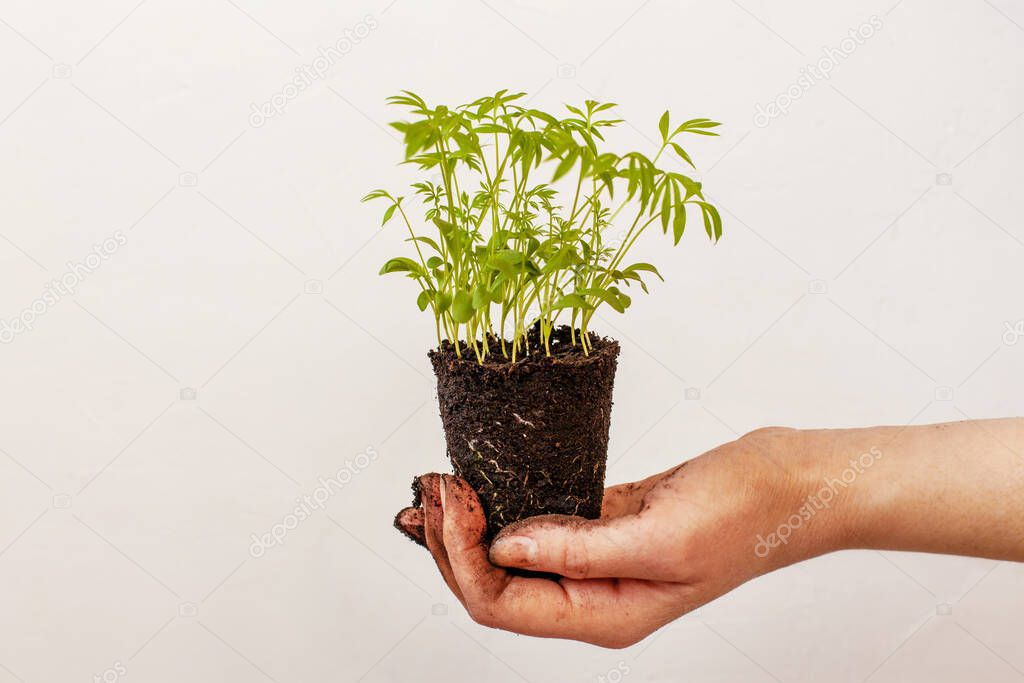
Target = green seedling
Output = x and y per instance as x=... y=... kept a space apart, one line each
x=527 y=218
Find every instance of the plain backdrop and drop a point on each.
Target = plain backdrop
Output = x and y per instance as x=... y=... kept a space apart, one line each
x=235 y=344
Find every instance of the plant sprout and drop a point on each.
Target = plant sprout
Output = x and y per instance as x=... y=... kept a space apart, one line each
x=507 y=251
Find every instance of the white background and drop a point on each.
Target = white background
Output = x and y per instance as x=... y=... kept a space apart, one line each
x=871 y=265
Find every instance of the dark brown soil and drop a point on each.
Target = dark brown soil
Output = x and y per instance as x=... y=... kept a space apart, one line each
x=530 y=437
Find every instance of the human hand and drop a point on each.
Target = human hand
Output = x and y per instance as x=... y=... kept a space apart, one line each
x=662 y=547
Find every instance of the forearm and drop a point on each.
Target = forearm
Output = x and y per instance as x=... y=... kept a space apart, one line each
x=955 y=488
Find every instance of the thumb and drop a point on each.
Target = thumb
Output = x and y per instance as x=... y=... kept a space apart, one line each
x=575 y=547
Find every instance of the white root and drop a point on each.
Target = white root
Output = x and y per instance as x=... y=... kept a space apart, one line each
x=522 y=421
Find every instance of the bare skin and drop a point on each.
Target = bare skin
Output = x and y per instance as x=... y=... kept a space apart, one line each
x=674 y=541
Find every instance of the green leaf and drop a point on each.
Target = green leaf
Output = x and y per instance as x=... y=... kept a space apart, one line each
x=443 y=301
x=570 y=301
x=607 y=296
x=495 y=292
x=643 y=268
x=566 y=256
x=682 y=154
x=693 y=188
x=507 y=262
x=388 y=214
x=462 y=307
x=575 y=110
x=712 y=221
x=663 y=126
x=697 y=126
x=425 y=240
x=565 y=165
x=490 y=128
x=402 y=265
x=424 y=299
x=679 y=223
x=666 y=210
x=376 y=194
x=625 y=301
x=481 y=297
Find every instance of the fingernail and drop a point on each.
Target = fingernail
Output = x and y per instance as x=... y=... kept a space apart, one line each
x=515 y=549
x=443 y=484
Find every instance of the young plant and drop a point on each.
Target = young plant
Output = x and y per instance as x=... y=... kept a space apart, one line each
x=507 y=251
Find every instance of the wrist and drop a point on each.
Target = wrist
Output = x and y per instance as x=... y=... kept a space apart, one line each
x=814 y=477
x=838 y=471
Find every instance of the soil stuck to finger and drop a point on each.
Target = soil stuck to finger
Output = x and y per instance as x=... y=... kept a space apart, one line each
x=530 y=437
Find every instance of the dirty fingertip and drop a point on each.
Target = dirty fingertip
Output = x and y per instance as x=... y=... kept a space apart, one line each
x=410 y=522
x=427 y=487
x=409 y=516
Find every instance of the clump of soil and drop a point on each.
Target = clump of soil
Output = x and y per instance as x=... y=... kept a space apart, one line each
x=530 y=437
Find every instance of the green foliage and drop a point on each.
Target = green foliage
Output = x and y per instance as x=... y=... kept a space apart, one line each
x=503 y=254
